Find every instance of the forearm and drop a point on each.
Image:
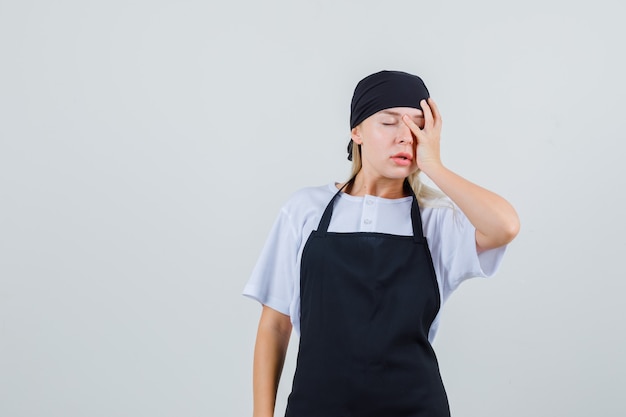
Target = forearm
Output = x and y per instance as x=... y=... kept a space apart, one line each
x=269 y=357
x=494 y=218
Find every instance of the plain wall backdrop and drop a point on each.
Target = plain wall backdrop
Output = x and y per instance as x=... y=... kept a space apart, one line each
x=146 y=147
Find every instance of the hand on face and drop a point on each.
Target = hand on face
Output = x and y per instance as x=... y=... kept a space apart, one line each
x=427 y=151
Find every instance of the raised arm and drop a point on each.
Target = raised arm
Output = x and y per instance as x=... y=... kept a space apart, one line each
x=269 y=357
x=494 y=218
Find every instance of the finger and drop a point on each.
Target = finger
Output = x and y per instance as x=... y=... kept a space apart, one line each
x=428 y=114
x=435 y=111
x=411 y=124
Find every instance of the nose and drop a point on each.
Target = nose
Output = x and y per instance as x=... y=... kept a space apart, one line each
x=405 y=135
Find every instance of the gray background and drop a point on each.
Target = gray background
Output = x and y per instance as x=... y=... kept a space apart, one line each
x=146 y=147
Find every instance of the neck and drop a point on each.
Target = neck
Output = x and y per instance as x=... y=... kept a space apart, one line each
x=380 y=187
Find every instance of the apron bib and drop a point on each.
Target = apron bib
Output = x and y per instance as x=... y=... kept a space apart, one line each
x=368 y=301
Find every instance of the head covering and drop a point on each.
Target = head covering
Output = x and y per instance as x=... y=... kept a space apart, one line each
x=383 y=90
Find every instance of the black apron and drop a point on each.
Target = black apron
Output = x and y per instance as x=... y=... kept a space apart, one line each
x=367 y=303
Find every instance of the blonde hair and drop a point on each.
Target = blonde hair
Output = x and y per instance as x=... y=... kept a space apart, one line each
x=426 y=196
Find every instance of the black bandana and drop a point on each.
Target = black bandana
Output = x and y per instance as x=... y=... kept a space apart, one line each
x=383 y=90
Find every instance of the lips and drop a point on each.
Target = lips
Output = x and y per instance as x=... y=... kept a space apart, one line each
x=402 y=158
x=403 y=155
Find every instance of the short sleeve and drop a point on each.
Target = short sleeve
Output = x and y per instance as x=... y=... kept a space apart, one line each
x=272 y=279
x=457 y=256
x=452 y=239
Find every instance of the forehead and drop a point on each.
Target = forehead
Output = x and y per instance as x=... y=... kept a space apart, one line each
x=399 y=111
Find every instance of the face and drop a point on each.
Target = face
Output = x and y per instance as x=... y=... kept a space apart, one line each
x=387 y=143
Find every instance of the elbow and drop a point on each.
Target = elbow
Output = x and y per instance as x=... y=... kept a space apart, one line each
x=502 y=235
x=510 y=230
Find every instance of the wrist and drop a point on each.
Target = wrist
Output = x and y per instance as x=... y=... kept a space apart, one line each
x=264 y=413
x=432 y=168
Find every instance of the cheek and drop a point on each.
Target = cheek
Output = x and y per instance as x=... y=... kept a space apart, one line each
x=374 y=148
x=376 y=138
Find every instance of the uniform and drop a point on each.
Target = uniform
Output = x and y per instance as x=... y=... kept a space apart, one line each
x=357 y=277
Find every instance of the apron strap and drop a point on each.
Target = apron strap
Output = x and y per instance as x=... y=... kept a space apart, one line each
x=416 y=218
x=328 y=213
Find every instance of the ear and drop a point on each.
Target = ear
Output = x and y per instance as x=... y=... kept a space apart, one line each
x=356 y=135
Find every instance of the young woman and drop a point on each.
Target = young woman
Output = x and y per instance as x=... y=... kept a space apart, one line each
x=361 y=269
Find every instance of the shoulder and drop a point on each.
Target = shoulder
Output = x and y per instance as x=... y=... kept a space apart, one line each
x=444 y=221
x=308 y=200
x=303 y=209
x=441 y=210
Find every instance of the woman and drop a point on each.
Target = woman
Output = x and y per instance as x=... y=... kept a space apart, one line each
x=360 y=270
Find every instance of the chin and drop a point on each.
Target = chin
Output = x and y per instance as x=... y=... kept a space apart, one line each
x=406 y=171
x=400 y=174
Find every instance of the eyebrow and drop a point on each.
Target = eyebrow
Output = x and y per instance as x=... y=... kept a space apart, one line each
x=395 y=113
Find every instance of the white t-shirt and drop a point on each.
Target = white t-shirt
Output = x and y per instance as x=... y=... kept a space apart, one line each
x=275 y=280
